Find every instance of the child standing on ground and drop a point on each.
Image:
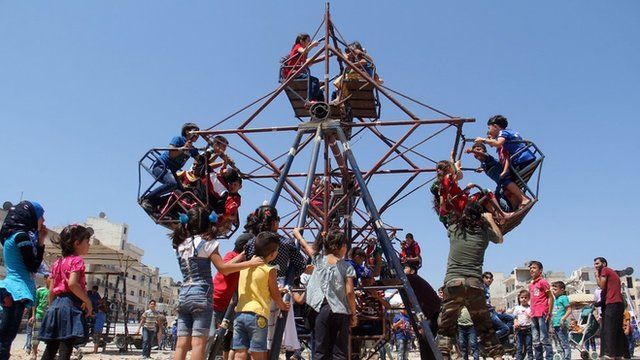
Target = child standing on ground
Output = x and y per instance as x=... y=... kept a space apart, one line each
x=196 y=248
x=467 y=336
x=331 y=294
x=257 y=287
x=39 y=308
x=522 y=326
x=402 y=334
x=64 y=323
x=561 y=311
x=541 y=306
x=148 y=326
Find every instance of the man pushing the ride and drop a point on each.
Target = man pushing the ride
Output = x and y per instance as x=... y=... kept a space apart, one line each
x=469 y=238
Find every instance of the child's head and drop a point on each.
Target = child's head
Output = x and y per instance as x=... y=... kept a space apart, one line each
x=152 y=304
x=220 y=144
x=535 y=269
x=241 y=242
x=573 y=322
x=233 y=180
x=74 y=240
x=187 y=128
x=47 y=280
x=267 y=244
x=264 y=218
x=196 y=221
x=358 y=255
x=487 y=278
x=409 y=270
x=334 y=242
x=523 y=297
x=478 y=147
x=497 y=123
x=558 y=288
x=443 y=168
x=303 y=39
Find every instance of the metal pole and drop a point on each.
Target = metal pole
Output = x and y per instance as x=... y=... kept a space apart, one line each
x=287 y=166
x=310 y=175
x=409 y=295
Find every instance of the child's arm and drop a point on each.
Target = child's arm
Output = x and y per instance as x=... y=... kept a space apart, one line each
x=491 y=142
x=457 y=167
x=566 y=315
x=77 y=290
x=303 y=243
x=142 y=319
x=505 y=168
x=550 y=305
x=275 y=292
x=230 y=267
x=33 y=312
x=351 y=297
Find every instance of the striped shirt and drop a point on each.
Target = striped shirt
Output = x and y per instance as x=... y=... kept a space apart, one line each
x=149 y=317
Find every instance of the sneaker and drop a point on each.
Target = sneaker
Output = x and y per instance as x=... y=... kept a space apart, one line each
x=147 y=206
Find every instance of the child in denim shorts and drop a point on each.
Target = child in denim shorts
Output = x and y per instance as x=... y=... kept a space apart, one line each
x=256 y=288
x=196 y=248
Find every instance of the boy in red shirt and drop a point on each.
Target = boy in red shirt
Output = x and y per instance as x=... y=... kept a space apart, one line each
x=225 y=285
x=541 y=306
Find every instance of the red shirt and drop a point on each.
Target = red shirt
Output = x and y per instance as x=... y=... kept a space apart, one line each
x=539 y=290
x=450 y=189
x=296 y=58
x=225 y=285
x=412 y=251
x=614 y=294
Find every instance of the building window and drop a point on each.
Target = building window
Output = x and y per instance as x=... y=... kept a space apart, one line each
x=629 y=282
x=132 y=293
x=133 y=277
x=585 y=276
x=587 y=291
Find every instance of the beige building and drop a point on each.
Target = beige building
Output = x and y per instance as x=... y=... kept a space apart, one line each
x=520 y=278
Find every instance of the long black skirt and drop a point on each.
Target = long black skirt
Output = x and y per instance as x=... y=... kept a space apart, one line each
x=612 y=338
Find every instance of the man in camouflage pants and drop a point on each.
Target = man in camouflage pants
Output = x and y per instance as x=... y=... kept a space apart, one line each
x=469 y=238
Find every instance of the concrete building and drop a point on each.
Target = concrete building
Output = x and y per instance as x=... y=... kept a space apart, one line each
x=520 y=278
x=498 y=291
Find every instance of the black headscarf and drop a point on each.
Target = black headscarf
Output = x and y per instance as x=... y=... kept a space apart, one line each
x=21 y=217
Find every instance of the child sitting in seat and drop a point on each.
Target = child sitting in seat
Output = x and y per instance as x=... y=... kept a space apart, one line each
x=359 y=56
x=452 y=199
x=225 y=199
x=217 y=156
x=168 y=164
x=513 y=143
x=491 y=167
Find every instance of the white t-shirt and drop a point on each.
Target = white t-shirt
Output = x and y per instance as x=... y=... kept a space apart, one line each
x=522 y=315
x=203 y=247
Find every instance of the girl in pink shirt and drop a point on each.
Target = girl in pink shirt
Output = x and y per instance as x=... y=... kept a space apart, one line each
x=64 y=324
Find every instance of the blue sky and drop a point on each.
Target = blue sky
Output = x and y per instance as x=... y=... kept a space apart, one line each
x=87 y=87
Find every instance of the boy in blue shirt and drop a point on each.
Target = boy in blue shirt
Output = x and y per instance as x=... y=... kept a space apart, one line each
x=510 y=139
x=402 y=332
x=169 y=163
x=561 y=311
x=493 y=169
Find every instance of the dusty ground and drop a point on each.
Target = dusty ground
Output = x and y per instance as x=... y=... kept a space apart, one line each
x=112 y=353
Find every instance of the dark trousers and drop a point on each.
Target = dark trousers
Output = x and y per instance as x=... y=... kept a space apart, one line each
x=331 y=335
x=524 y=343
x=313 y=92
x=166 y=179
x=468 y=342
x=10 y=318
x=466 y=292
x=64 y=349
x=147 y=340
x=613 y=341
x=499 y=326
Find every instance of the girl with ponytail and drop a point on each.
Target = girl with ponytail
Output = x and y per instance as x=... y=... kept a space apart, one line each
x=330 y=293
x=196 y=248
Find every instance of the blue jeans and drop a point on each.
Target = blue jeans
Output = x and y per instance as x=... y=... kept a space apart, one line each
x=195 y=310
x=166 y=179
x=563 y=336
x=501 y=328
x=250 y=332
x=27 y=343
x=468 y=342
x=9 y=322
x=540 y=338
x=523 y=344
x=313 y=91
x=403 y=349
x=147 y=338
